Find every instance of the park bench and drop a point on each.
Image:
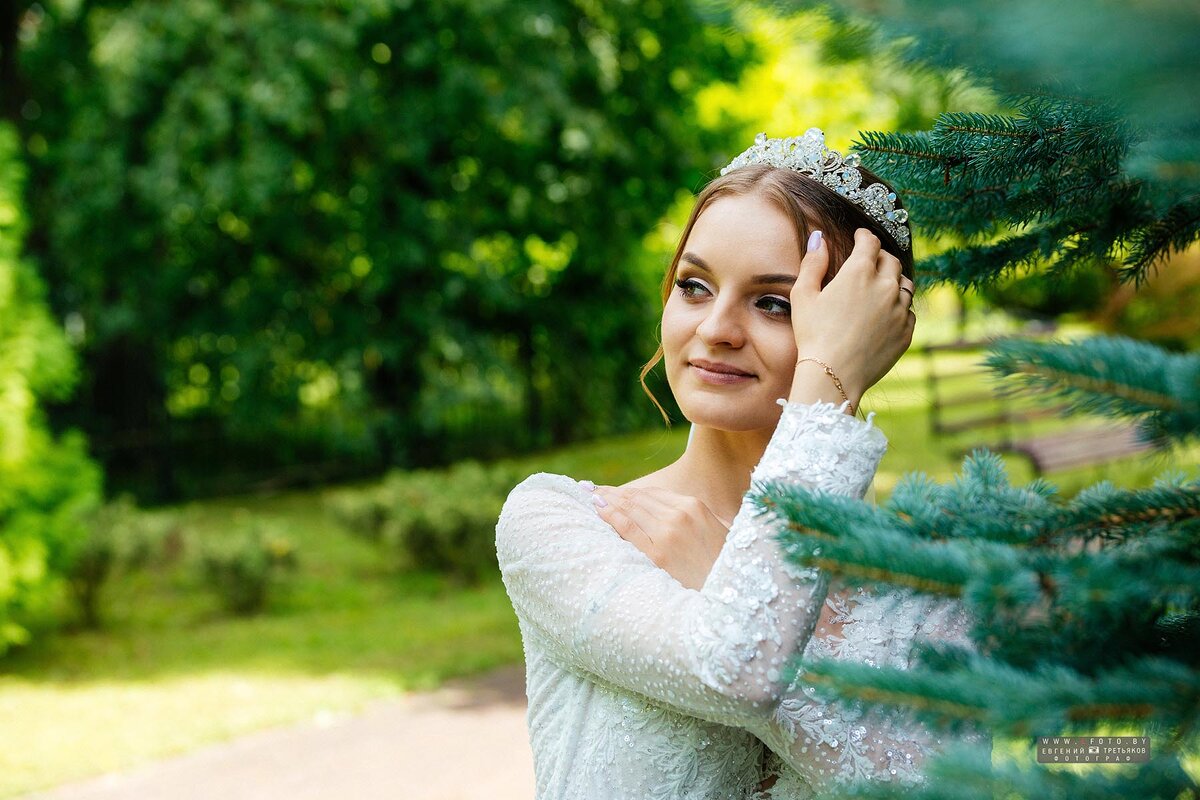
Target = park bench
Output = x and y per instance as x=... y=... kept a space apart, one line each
x=966 y=406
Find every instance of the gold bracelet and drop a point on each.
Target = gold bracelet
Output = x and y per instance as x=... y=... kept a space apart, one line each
x=829 y=372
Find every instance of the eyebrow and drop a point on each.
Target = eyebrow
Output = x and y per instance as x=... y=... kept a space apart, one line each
x=768 y=279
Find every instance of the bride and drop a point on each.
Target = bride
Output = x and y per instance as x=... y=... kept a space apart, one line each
x=658 y=618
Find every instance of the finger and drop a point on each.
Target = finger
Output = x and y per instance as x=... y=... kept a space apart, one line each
x=630 y=531
x=653 y=507
x=910 y=325
x=861 y=262
x=888 y=265
x=664 y=506
x=615 y=510
x=905 y=296
x=865 y=253
x=633 y=504
x=814 y=265
x=672 y=500
x=640 y=507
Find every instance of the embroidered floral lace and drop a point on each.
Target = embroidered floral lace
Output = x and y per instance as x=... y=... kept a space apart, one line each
x=641 y=688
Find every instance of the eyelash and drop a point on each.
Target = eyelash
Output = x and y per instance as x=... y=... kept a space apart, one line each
x=685 y=283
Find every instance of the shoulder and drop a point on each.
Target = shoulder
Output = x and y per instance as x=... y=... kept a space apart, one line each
x=659 y=479
x=548 y=522
x=537 y=506
x=545 y=487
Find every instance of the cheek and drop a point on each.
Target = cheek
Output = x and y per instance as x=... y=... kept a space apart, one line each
x=782 y=355
x=676 y=328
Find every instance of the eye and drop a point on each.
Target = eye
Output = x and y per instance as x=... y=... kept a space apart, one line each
x=784 y=308
x=687 y=286
x=775 y=306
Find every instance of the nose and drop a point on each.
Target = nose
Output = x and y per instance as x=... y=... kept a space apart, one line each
x=723 y=324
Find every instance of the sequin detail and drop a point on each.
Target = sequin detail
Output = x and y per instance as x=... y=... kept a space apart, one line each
x=639 y=687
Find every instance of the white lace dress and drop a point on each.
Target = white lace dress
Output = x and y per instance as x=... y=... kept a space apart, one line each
x=641 y=688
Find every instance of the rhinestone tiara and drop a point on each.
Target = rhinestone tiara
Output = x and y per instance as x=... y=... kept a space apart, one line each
x=809 y=155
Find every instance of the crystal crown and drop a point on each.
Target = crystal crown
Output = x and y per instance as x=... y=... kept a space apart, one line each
x=809 y=155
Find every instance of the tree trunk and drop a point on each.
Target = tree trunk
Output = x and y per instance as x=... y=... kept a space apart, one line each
x=533 y=398
x=123 y=406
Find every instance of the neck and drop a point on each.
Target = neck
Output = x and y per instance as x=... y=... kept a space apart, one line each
x=716 y=466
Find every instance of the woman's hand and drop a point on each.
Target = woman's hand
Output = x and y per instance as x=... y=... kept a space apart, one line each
x=860 y=323
x=678 y=532
x=683 y=538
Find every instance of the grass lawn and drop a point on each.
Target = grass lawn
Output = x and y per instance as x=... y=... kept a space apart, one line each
x=170 y=672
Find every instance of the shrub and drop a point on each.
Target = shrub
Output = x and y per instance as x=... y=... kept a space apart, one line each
x=244 y=567
x=445 y=520
x=363 y=510
x=118 y=537
x=441 y=520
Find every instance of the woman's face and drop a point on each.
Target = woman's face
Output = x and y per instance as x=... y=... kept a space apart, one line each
x=730 y=305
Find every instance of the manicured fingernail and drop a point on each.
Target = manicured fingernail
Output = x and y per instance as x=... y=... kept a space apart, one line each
x=591 y=487
x=814 y=241
x=599 y=501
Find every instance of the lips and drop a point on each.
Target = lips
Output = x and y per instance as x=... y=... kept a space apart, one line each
x=717 y=366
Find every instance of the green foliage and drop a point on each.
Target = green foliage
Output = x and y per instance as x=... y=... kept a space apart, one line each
x=245 y=567
x=1084 y=612
x=1136 y=56
x=361 y=510
x=966 y=774
x=348 y=231
x=440 y=520
x=1111 y=375
x=1080 y=170
x=47 y=483
x=119 y=539
x=1079 y=290
x=1053 y=188
x=1161 y=310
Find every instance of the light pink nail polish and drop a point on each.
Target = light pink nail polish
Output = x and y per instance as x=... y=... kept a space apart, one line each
x=591 y=487
x=599 y=501
x=814 y=241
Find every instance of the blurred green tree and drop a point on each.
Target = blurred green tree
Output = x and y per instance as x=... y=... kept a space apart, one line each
x=47 y=482
x=295 y=231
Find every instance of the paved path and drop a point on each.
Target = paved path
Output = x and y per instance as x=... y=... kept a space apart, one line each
x=466 y=741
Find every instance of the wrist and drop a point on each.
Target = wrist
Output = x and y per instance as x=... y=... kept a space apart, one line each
x=816 y=380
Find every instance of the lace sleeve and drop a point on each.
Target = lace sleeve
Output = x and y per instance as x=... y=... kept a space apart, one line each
x=599 y=605
x=822 y=744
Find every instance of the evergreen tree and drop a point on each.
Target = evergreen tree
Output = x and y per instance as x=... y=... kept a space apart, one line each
x=1086 y=612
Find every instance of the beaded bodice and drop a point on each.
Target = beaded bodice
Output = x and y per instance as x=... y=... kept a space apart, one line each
x=641 y=688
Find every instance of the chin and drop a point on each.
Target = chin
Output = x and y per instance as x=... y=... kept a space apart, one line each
x=724 y=415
